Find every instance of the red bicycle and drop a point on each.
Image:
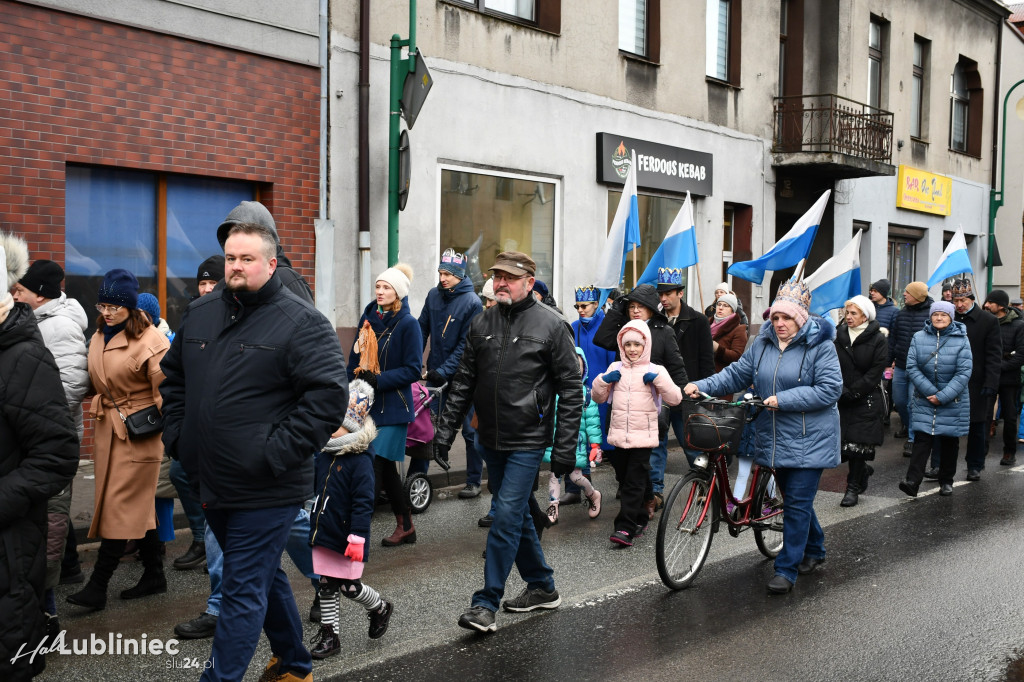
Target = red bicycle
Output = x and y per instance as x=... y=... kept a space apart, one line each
x=699 y=502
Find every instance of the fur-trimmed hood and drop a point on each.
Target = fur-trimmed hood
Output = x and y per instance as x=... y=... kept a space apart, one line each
x=350 y=443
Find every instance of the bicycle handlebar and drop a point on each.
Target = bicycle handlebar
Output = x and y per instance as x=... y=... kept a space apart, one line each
x=747 y=400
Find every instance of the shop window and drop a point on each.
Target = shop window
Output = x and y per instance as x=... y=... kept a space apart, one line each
x=543 y=14
x=966 y=108
x=160 y=227
x=639 y=28
x=902 y=262
x=656 y=216
x=723 y=20
x=483 y=214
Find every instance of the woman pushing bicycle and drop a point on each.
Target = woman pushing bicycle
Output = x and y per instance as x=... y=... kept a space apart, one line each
x=794 y=363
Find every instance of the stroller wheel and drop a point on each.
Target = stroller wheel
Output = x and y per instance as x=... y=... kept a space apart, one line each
x=418 y=492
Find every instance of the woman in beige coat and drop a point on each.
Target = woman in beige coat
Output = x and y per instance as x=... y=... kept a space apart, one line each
x=124 y=366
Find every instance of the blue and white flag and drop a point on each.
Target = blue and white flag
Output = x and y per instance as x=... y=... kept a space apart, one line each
x=679 y=249
x=954 y=259
x=790 y=250
x=623 y=235
x=837 y=280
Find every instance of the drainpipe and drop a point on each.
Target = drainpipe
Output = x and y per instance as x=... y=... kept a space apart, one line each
x=363 y=189
x=993 y=206
x=323 y=226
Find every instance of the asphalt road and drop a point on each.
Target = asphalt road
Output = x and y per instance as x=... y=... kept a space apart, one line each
x=913 y=589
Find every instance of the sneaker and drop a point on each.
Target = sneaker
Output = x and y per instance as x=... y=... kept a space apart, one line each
x=621 y=537
x=325 y=643
x=528 y=600
x=931 y=474
x=479 y=618
x=470 y=491
x=202 y=627
x=974 y=474
x=485 y=521
x=639 y=532
x=553 y=512
x=595 y=504
x=379 y=619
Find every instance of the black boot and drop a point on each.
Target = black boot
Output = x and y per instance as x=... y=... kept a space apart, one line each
x=851 y=497
x=94 y=594
x=152 y=581
x=868 y=470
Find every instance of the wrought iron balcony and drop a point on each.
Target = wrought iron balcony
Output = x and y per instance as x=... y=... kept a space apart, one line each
x=832 y=134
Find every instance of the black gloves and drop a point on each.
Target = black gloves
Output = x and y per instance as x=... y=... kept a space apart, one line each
x=441 y=455
x=435 y=378
x=561 y=468
x=370 y=378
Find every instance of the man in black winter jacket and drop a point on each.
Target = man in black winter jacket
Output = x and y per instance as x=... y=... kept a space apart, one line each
x=906 y=323
x=38 y=459
x=1011 y=328
x=255 y=385
x=642 y=304
x=518 y=358
x=987 y=351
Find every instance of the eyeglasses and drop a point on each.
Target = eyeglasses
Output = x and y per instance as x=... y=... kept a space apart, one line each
x=103 y=308
x=582 y=306
x=636 y=307
x=502 y=277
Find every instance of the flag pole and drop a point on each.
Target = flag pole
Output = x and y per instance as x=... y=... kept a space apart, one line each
x=798 y=273
x=700 y=289
x=634 y=266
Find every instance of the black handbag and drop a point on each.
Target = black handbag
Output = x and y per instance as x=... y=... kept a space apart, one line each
x=714 y=427
x=142 y=424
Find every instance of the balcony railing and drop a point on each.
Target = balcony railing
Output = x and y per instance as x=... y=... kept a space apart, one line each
x=832 y=124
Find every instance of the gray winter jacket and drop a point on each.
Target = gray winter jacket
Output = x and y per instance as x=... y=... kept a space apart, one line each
x=63 y=322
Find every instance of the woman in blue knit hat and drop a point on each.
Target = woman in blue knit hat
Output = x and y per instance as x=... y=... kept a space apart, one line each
x=124 y=368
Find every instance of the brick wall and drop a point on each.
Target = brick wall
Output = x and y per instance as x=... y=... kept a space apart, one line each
x=85 y=91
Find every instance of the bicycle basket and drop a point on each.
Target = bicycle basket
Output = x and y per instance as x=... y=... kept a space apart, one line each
x=713 y=426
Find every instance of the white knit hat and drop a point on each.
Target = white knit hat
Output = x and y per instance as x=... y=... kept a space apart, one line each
x=865 y=305
x=399 y=277
x=488 y=290
x=723 y=286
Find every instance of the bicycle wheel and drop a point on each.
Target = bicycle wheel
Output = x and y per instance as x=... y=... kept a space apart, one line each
x=685 y=530
x=767 y=500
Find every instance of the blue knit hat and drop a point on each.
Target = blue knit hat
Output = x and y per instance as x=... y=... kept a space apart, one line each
x=149 y=304
x=119 y=287
x=540 y=288
x=454 y=263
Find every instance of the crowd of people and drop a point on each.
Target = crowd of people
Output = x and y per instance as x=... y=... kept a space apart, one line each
x=249 y=414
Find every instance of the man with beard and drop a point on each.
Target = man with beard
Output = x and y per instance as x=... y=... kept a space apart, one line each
x=255 y=385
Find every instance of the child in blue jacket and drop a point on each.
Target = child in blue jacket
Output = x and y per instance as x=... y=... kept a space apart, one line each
x=588 y=444
x=339 y=526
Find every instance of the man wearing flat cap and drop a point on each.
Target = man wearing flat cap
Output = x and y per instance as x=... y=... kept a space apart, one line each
x=519 y=356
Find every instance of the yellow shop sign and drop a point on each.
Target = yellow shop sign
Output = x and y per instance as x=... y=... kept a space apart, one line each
x=919 y=190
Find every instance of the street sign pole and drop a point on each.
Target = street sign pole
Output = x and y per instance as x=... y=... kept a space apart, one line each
x=400 y=69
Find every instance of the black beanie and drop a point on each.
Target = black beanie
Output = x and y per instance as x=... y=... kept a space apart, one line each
x=883 y=287
x=999 y=297
x=43 y=278
x=211 y=268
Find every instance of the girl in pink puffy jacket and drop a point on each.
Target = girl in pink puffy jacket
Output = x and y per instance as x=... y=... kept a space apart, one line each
x=635 y=387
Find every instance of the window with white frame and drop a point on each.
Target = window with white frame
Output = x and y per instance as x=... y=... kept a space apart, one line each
x=917 y=88
x=523 y=9
x=718 y=39
x=960 y=104
x=633 y=26
x=875 y=62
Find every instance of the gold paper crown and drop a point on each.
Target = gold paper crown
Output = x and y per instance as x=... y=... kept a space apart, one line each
x=794 y=291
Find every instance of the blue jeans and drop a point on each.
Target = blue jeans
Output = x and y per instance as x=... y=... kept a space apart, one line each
x=512 y=538
x=189 y=501
x=297 y=547
x=901 y=392
x=256 y=593
x=801 y=533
